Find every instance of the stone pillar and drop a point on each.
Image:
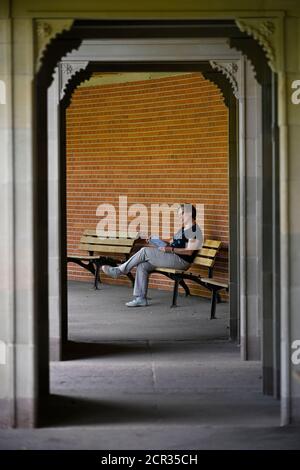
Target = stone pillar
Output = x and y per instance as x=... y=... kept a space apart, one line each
x=7 y=271
x=54 y=221
x=253 y=206
x=250 y=153
x=56 y=162
x=18 y=371
x=233 y=71
x=290 y=181
x=248 y=91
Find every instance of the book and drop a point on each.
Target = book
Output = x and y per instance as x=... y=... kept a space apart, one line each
x=156 y=241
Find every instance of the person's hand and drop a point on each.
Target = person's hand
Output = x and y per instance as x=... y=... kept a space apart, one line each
x=165 y=249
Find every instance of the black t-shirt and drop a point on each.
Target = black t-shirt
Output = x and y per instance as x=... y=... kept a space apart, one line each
x=182 y=237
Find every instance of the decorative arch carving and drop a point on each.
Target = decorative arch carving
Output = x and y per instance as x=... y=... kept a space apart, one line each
x=78 y=76
x=46 y=31
x=231 y=70
x=67 y=70
x=267 y=32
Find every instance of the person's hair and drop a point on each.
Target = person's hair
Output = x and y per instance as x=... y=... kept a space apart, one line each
x=189 y=208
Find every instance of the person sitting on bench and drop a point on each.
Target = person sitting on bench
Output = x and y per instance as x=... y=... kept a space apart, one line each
x=178 y=254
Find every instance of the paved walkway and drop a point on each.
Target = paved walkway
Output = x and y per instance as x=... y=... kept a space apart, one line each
x=153 y=378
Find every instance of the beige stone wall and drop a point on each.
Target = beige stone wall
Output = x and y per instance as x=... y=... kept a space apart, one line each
x=17 y=301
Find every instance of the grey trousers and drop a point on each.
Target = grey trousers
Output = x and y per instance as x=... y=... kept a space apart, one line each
x=146 y=260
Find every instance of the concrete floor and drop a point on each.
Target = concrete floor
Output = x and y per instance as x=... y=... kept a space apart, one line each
x=153 y=378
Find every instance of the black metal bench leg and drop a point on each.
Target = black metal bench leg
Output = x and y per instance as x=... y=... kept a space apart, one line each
x=175 y=293
x=99 y=275
x=186 y=289
x=97 y=271
x=213 y=304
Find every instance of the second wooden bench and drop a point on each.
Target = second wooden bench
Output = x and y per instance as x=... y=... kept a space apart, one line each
x=102 y=250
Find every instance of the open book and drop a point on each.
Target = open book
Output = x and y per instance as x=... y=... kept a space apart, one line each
x=156 y=241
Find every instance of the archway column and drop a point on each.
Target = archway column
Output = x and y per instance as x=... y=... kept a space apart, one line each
x=241 y=76
x=18 y=378
x=7 y=274
x=57 y=297
x=278 y=38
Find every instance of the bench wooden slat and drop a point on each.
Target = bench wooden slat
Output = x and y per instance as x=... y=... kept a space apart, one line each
x=214 y=282
x=106 y=248
x=106 y=241
x=169 y=270
x=212 y=244
x=208 y=252
x=200 y=261
x=120 y=235
x=84 y=257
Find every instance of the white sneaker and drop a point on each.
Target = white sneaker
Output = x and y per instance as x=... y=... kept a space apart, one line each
x=137 y=302
x=111 y=271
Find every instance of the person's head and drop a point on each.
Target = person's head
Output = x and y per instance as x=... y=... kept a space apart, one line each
x=188 y=213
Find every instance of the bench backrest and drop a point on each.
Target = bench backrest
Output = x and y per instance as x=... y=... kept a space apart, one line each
x=206 y=256
x=91 y=242
x=122 y=244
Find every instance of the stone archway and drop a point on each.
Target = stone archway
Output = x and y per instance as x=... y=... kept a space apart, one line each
x=82 y=71
x=35 y=374
x=233 y=71
x=250 y=261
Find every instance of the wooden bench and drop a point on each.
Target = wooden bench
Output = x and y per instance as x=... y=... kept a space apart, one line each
x=206 y=257
x=102 y=251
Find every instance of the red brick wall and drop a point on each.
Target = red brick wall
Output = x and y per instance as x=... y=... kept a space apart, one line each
x=162 y=140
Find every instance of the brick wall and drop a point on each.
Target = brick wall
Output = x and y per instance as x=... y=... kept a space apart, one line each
x=155 y=141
